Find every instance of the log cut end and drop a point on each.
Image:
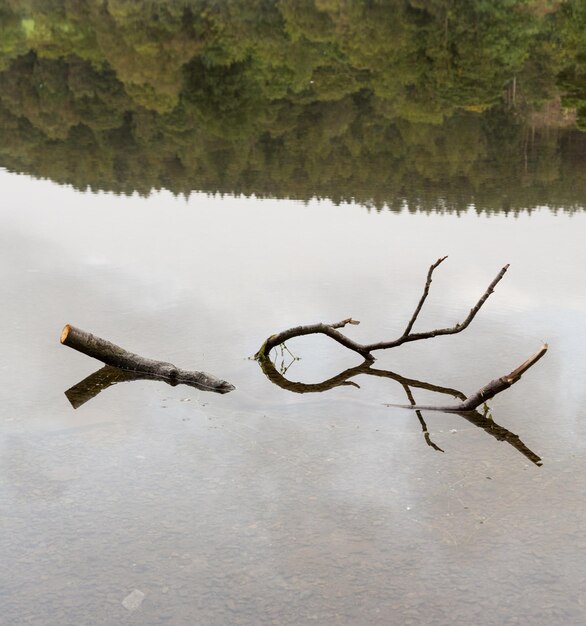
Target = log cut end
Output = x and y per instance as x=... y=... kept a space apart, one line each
x=65 y=332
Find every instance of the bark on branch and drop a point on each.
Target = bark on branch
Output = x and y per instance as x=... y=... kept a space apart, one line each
x=488 y=391
x=365 y=350
x=118 y=357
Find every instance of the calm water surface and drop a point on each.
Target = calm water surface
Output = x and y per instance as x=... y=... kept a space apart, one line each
x=152 y=504
x=460 y=124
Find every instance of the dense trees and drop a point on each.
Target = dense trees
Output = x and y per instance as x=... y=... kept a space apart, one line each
x=385 y=102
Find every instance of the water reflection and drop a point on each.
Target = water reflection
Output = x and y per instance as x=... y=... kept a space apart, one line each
x=400 y=104
x=108 y=376
x=285 y=506
x=482 y=420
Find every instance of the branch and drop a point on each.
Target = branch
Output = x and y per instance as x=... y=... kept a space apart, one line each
x=312 y=329
x=501 y=434
x=365 y=350
x=424 y=296
x=452 y=330
x=101 y=379
x=118 y=357
x=488 y=391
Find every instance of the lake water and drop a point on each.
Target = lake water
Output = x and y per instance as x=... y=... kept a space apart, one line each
x=265 y=506
x=186 y=179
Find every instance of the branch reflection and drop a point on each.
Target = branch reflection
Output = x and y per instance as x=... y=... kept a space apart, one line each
x=108 y=376
x=476 y=418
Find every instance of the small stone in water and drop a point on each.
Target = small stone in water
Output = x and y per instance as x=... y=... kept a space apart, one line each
x=133 y=600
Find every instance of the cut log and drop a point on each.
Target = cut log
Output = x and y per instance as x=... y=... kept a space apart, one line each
x=114 y=355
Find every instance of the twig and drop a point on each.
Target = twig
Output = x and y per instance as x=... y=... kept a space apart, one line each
x=452 y=330
x=488 y=391
x=424 y=296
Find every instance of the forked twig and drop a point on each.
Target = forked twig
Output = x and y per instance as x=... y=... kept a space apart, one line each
x=365 y=350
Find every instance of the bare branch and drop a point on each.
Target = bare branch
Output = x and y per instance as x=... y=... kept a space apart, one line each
x=365 y=350
x=488 y=391
x=424 y=296
x=500 y=384
x=458 y=328
x=313 y=329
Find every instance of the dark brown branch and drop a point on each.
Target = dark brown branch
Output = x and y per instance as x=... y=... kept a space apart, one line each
x=365 y=350
x=107 y=376
x=500 y=433
x=488 y=391
x=424 y=296
x=311 y=329
x=113 y=355
x=452 y=330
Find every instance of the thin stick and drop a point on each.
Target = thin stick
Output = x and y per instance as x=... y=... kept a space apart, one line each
x=452 y=330
x=488 y=391
x=424 y=296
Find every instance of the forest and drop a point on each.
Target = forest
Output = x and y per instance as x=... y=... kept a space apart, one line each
x=404 y=104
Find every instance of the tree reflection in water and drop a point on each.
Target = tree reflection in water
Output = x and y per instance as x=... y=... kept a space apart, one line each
x=430 y=106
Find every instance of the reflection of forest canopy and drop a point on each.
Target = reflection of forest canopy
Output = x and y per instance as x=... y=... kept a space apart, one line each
x=364 y=100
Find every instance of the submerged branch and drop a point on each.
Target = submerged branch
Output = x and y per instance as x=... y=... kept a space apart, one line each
x=488 y=391
x=101 y=379
x=343 y=379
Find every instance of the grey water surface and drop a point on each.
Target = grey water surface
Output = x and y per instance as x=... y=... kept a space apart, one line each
x=152 y=504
